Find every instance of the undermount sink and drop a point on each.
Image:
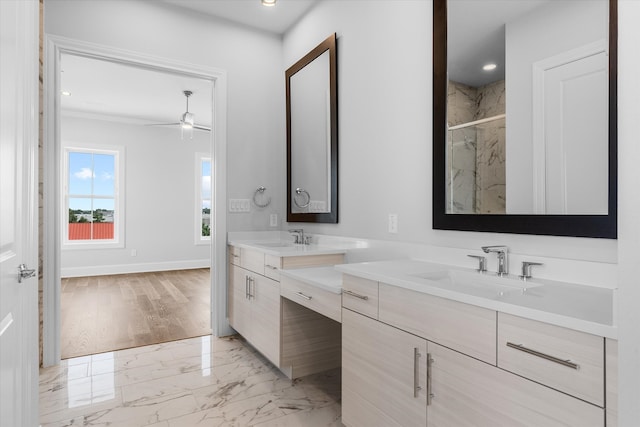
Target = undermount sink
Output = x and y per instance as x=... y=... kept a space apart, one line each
x=486 y=285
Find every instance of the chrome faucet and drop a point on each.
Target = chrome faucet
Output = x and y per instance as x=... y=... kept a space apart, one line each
x=298 y=234
x=503 y=259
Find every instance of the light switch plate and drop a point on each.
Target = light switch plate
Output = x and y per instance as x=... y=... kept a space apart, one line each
x=239 y=205
x=273 y=220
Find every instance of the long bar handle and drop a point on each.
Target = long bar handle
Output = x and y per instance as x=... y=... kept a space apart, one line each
x=300 y=294
x=430 y=394
x=246 y=287
x=353 y=294
x=271 y=267
x=416 y=373
x=563 y=362
x=252 y=293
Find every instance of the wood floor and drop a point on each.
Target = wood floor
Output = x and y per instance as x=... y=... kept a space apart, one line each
x=106 y=313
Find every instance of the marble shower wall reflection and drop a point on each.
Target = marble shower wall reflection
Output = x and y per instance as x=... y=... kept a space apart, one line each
x=476 y=153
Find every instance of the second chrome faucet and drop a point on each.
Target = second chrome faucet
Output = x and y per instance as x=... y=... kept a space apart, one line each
x=503 y=258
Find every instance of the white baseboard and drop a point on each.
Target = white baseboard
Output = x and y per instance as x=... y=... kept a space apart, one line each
x=103 y=270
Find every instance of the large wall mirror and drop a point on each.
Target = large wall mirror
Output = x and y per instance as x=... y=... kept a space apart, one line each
x=524 y=116
x=312 y=136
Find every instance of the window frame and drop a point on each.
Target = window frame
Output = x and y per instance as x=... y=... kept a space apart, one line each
x=118 y=240
x=199 y=159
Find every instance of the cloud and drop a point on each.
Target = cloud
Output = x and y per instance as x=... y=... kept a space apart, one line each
x=84 y=173
x=106 y=176
x=206 y=185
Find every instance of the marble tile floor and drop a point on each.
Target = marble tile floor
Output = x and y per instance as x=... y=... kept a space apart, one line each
x=203 y=381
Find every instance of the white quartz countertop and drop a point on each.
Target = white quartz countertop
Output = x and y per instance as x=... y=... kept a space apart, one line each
x=584 y=308
x=285 y=248
x=327 y=278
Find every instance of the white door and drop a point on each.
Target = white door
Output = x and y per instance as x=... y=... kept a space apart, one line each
x=18 y=212
x=576 y=137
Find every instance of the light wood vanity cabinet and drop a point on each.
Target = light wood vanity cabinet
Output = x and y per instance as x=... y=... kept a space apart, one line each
x=458 y=377
x=384 y=374
x=285 y=335
x=254 y=310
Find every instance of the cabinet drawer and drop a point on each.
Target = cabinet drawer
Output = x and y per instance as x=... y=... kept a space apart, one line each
x=312 y=297
x=252 y=260
x=466 y=328
x=290 y=262
x=561 y=358
x=234 y=255
x=272 y=265
x=469 y=393
x=360 y=295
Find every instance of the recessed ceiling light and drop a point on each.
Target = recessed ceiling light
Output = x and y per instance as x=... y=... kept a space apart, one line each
x=489 y=67
x=268 y=3
x=66 y=93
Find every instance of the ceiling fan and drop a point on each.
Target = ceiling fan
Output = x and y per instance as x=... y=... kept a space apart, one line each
x=187 y=121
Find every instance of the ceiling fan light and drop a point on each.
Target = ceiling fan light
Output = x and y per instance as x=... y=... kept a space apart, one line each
x=187 y=121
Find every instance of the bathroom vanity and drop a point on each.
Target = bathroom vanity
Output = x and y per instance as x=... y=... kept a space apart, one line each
x=430 y=344
x=423 y=346
x=298 y=340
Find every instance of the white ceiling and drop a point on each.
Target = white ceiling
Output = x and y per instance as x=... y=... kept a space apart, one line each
x=117 y=90
x=112 y=89
x=106 y=88
x=276 y=19
x=476 y=37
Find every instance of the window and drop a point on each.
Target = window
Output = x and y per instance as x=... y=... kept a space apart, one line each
x=92 y=212
x=203 y=199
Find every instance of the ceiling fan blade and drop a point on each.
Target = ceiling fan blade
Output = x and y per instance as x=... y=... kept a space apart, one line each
x=202 y=128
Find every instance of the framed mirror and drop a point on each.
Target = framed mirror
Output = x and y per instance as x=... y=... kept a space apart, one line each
x=525 y=116
x=312 y=136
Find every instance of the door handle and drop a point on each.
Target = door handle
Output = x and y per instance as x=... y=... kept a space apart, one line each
x=25 y=273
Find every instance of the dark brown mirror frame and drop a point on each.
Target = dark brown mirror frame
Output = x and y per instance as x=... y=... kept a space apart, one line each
x=600 y=226
x=331 y=217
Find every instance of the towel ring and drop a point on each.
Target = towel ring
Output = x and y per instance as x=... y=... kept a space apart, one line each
x=300 y=191
x=260 y=190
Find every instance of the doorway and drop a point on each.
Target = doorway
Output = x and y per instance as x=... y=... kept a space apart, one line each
x=132 y=249
x=134 y=255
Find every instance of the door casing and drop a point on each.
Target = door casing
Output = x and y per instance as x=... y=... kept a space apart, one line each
x=54 y=47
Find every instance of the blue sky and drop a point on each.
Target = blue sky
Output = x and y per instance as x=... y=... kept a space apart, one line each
x=91 y=174
x=206 y=183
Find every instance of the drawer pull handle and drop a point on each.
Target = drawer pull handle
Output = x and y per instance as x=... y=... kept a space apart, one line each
x=353 y=294
x=430 y=394
x=567 y=363
x=271 y=267
x=300 y=294
x=416 y=375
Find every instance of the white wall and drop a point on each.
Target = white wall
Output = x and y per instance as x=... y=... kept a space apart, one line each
x=159 y=203
x=384 y=96
x=384 y=51
x=255 y=84
x=628 y=208
x=525 y=45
